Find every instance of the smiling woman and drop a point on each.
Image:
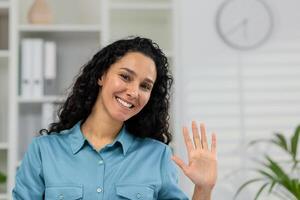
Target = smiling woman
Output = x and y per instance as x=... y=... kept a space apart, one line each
x=112 y=131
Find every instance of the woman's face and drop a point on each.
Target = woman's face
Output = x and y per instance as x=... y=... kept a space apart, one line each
x=127 y=86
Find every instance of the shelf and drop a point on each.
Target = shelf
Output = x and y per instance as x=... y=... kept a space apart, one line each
x=4 y=5
x=59 y=28
x=44 y=99
x=3 y=196
x=4 y=53
x=3 y=145
x=141 y=6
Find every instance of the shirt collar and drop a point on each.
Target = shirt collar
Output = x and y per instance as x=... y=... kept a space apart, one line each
x=124 y=138
x=77 y=139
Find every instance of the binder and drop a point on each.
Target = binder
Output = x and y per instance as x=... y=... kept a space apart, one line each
x=50 y=60
x=50 y=64
x=37 y=65
x=26 y=68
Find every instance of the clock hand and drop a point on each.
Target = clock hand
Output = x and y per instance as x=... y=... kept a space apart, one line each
x=245 y=25
x=236 y=27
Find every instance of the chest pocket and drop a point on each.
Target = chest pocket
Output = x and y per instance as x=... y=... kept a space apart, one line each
x=135 y=192
x=64 y=193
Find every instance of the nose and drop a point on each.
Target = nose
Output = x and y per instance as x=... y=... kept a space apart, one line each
x=132 y=90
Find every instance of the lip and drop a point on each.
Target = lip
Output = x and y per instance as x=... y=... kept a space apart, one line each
x=125 y=101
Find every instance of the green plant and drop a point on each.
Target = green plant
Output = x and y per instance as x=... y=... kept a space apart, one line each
x=2 y=178
x=271 y=173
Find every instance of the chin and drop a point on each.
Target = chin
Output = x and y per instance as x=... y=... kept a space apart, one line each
x=121 y=117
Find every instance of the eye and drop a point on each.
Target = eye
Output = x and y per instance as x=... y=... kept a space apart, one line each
x=125 y=77
x=146 y=86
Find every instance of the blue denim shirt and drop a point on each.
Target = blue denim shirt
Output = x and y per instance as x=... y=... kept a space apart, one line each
x=65 y=166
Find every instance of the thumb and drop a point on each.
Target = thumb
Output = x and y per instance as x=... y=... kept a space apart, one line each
x=180 y=163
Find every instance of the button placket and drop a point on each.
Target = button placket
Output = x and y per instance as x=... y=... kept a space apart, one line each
x=99 y=189
x=100 y=170
x=138 y=195
x=61 y=196
x=100 y=162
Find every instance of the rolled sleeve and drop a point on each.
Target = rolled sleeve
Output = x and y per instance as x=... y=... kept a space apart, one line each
x=29 y=177
x=170 y=188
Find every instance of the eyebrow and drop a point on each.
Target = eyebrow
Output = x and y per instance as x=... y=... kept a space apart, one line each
x=132 y=72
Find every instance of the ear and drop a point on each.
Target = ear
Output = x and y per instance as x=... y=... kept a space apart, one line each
x=101 y=79
x=100 y=82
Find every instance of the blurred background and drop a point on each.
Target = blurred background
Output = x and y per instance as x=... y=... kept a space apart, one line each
x=236 y=66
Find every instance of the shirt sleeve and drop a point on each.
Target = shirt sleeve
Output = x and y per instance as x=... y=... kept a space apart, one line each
x=29 y=177
x=170 y=188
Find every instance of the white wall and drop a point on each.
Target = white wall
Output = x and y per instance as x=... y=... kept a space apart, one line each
x=240 y=95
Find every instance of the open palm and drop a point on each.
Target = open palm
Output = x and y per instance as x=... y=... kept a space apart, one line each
x=202 y=164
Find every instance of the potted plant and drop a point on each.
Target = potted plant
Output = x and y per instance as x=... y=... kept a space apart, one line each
x=284 y=182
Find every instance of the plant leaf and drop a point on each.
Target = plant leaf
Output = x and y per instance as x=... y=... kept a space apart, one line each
x=272 y=186
x=259 y=141
x=244 y=185
x=294 y=143
x=260 y=190
x=281 y=141
x=283 y=179
x=266 y=174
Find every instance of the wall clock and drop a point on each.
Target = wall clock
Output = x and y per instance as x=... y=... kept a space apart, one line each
x=244 y=24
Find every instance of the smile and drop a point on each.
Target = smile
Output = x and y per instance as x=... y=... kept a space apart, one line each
x=124 y=103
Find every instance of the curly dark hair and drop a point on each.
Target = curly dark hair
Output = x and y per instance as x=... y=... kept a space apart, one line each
x=152 y=121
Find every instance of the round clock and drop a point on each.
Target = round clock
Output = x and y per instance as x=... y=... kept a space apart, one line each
x=244 y=24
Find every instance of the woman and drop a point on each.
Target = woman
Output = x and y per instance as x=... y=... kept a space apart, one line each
x=111 y=138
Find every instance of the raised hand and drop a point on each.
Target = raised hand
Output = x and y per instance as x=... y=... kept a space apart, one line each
x=202 y=164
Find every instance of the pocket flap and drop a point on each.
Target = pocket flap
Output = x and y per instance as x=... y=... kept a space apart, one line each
x=64 y=192
x=136 y=192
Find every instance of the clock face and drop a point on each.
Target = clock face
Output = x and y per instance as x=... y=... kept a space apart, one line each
x=244 y=24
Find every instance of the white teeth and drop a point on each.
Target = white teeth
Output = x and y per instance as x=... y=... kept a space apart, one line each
x=128 y=105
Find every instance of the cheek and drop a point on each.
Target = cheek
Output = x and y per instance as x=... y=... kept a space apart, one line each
x=114 y=86
x=118 y=83
x=145 y=99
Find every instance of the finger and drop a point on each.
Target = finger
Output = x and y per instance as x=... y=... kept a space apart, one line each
x=188 y=142
x=214 y=143
x=203 y=136
x=180 y=163
x=196 y=136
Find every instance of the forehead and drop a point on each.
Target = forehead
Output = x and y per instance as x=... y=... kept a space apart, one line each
x=142 y=65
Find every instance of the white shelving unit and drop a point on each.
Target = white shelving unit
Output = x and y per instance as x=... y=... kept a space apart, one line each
x=3 y=145
x=4 y=53
x=79 y=32
x=4 y=89
x=133 y=6
x=44 y=99
x=3 y=196
x=59 y=28
x=4 y=5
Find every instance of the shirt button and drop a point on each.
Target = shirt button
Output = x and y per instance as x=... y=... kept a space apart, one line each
x=61 y=196
x=138 y=195
x=100 y=162
x=99 y=189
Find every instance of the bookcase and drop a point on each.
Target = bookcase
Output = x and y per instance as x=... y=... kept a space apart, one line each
x=4 y=74
x=79 y=29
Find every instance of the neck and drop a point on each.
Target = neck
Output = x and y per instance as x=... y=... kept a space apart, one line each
x=99 y=128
